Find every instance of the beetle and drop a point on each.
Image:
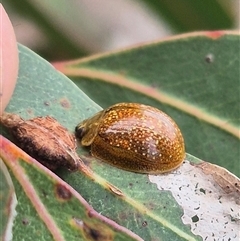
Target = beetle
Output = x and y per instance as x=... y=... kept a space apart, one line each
x=133 y=137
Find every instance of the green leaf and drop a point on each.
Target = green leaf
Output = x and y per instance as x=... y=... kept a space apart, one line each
x=7 y=200
x=188 y=15
x=42 y=91
x=194 y=78
x=45 y=195
x=132 y=200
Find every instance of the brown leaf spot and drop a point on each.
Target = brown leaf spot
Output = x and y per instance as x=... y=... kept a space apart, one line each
x=65 y=103
x=144 y=223
x=97 y=234
x=90 y=213
x=94 y=231
x=62 y=193
x=25 y=221
x=152 y=205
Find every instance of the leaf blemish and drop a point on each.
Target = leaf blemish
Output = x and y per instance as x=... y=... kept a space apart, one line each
x=94 y=232
x=25 y=221
x=62 y=193
x=209 y=58
x=144 y=224
x=202 y=190
x=65 y=103
x=46 y=103
x=195 y=219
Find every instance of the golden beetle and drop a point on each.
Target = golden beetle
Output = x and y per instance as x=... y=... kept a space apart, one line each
x=134 y=137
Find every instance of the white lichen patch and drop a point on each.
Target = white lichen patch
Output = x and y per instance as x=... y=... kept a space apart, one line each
x=212 y=212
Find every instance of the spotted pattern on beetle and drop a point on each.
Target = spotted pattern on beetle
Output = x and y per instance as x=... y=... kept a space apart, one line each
x=124 y=130
x=134 y=137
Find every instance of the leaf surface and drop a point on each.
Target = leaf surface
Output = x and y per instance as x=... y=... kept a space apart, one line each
x=41 y=197
x=194 y=78
x=130 y=199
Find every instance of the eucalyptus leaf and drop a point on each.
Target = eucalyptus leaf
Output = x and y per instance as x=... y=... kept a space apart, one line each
x=194 y=78
x=132 y=200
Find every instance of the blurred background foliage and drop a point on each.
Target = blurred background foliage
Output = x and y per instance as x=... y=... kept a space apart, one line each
x=67 y=29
